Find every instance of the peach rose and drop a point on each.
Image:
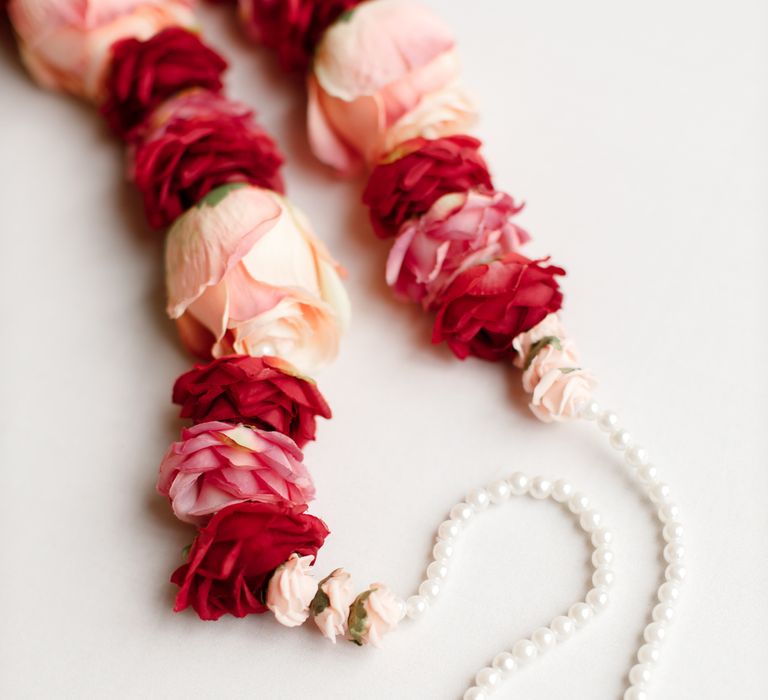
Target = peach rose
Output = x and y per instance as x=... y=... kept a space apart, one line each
x=385 y=72
x=246 y=276
x=374 y=613
x=330 y=607
x=551 y=372
x=291 y=590
x=66 y=44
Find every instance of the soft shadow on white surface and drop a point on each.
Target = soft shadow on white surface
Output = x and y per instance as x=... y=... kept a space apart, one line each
x=636 y=134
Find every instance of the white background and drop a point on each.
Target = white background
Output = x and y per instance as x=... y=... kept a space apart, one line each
x=636 y=132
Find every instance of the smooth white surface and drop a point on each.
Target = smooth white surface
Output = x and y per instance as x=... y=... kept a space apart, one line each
x=637 y=135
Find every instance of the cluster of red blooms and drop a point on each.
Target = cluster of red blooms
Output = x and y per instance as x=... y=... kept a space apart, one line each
x=185 y=139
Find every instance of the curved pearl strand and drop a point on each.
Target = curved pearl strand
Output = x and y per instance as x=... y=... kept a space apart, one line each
x=636 y=458
x=562 y=627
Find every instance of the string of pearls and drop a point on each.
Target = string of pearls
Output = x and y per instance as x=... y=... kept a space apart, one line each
x=562 y=627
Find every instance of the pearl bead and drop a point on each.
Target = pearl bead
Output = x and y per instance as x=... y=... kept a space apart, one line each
x=636 y=456
x=563 y=627
x=673 y=532
x=655 y=632
x=589 y=410
x=430 y=588
x=449 y=530
x=504 y=662
x=438 y=569
x=598 y=598
x=562 y=490
x=475 y=693
x=590 y=520
x=648 y=473
x=462 y=512
x=674 y=552
x=580 y=613
x=578 y=503
x=603 y=576
x=265 y=349
x=669 y=513
x=443 y=550
x=669 y=592
x=541 y=487
x=640 y=674
x=648 y=654
x=524 y=651
x=519 y=483
x=676 y=572
x=608 y=421
x=602 y=556
x=544 y=639
x=601 y=536
x=663 y=613
x=478 y=498
x=488 y=678
x=660 y=493
x=620 y=439
x=499 y=491
x=635 y=693
x=416 y=606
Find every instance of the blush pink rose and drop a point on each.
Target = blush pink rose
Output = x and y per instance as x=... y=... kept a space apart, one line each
x=291 y=590
x=551 y=373
x=373 y=614
x=246 y=276
x=386 y=72
x=216 y=464
x=66 y=44
x=458 y=231
x=330 y=606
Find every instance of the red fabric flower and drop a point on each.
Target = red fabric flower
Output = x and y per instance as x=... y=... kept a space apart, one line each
x=486 y=306
x=417 y=174
x=291 y=27
x=195 y=143
x=234 y=555
x=262 y=391
x=145 y=73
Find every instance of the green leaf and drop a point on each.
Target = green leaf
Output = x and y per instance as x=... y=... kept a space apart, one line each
x=539 y=345
x=319 y=603
x=346 y=16
x=357 y=622
x=185 y=552
x=216 y=196
x=568 y=370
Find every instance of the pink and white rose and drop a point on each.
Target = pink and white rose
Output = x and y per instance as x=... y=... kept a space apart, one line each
x=291 y=590
x=216 y=464
x=246 y=275
x=66 y=44
x=330 y=607
x=384 y=73
x=373 y=614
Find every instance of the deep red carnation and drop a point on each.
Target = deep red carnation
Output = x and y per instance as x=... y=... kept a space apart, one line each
x=234 y=555
x=145 y=73
x=261 y=391
x=194 y=144
x=292 y=28
x=417 y=174
x=488 y=305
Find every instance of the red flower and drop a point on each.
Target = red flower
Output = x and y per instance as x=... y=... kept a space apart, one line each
x=485 y=307
x=292 y=27
x=417 y=174
x=234 y=555
x=195 y=143
x=261 y=391
x=145 y=73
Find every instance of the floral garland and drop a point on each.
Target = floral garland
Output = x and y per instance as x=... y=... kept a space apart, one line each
x=254 y=293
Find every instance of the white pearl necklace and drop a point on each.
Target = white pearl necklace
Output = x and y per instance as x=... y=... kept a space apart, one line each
x=525 y=650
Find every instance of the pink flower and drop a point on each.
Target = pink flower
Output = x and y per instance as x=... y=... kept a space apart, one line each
x=246 y=276
x=66 y=44
x=384 y=73
x=330 y=607
x=458 y=231
x=551 y=372
x=291 y=590
x=217 y=464
x=373 y=614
